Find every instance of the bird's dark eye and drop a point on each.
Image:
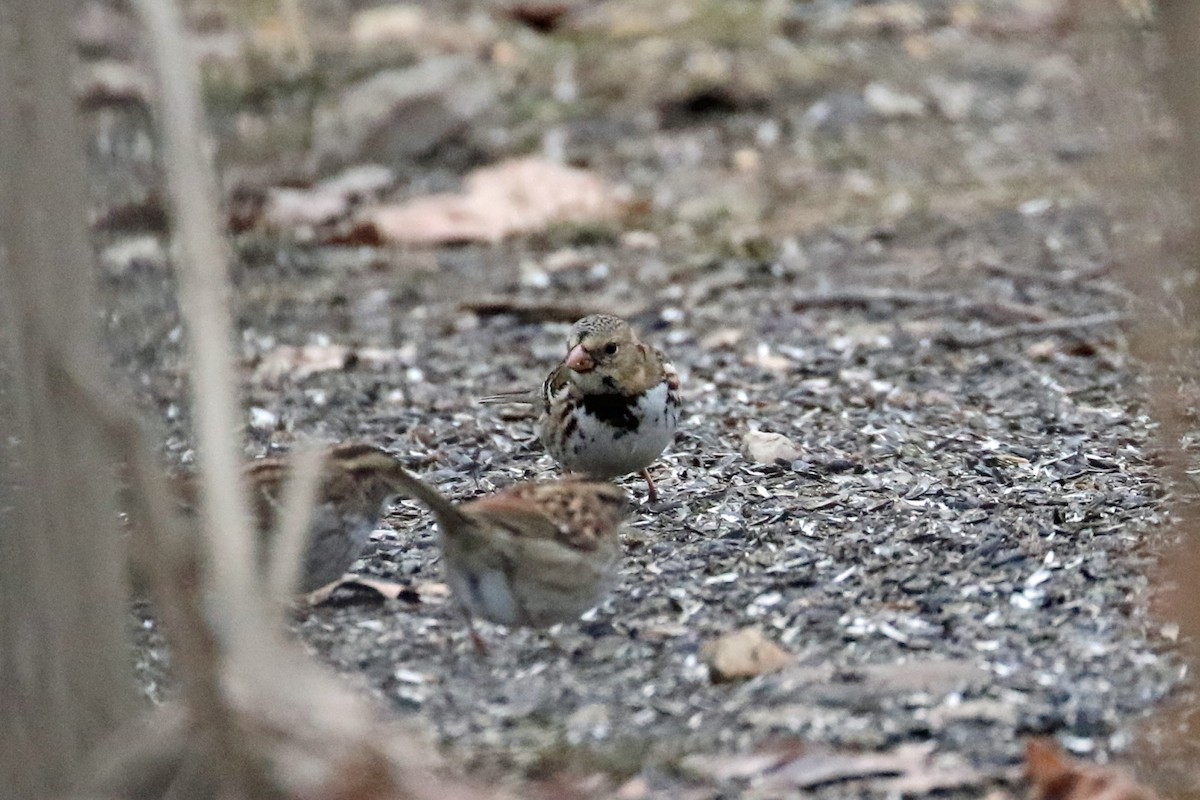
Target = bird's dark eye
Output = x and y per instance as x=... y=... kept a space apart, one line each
x=610 y=349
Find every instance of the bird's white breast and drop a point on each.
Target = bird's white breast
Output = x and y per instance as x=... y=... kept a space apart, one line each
x=605 y=451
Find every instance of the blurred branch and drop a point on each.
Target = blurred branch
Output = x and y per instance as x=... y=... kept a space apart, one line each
x=285 y=560
x=162 y=544
x=1067 y=325
x=203 y=303
x=63 y=656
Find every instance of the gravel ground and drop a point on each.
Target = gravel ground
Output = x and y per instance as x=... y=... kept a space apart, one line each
x=957 y=556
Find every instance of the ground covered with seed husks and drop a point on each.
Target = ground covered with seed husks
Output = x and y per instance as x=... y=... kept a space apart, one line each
x=872 y=228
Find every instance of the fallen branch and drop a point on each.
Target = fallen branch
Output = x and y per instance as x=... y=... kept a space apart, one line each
x=866 y=296
x=1057 y=279
x=528 y=311
x=1069 y=325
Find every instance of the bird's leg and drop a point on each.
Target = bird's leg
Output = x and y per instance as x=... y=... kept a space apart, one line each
x=651 y=492
x=480 y=645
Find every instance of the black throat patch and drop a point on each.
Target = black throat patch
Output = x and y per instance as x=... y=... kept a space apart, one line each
x=616 y=410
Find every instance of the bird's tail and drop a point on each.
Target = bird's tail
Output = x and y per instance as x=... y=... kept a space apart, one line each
x=405 y=482
x=522 y=397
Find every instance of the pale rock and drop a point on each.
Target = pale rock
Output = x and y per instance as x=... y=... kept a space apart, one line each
x=891 y=104
x=767 y=448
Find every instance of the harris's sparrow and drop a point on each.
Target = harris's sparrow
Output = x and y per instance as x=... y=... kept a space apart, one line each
x=531 y=555
x=611 y=406
x=356 y=479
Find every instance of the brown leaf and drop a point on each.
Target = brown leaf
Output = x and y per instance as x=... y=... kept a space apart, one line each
x=513 y=197
x=1053 y=776
x=743 y=654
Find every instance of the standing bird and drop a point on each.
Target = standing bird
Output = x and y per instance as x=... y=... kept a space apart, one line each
x=356 y=479
x=530 y=555
x=611 y=406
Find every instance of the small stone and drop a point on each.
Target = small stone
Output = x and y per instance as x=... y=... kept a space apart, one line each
x=768 y=448
x=891 y=104
x=743 y=654
x=589 y=722
x=746 y=159
x=263 y=419
x=952 y=99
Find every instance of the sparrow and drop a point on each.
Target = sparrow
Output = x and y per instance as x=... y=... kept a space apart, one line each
x=611 y=406
x=356 y=480
x=531 y=555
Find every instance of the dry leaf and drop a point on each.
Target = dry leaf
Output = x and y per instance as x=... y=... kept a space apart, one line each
x=767 y=448
x=772 y=362
x=822 y=767
x=1053 y=776
x=410 y=25
x=743 y=654
x=395 y=23
x=430 y=592
x=298 y=363
x=288 y=209
x=1042 y=350
x=512 y=197
x=722 y=338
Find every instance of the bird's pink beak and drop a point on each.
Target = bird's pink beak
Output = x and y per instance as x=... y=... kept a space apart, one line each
x=579 y=359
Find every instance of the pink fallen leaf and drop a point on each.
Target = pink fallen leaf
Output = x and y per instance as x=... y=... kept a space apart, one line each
x=513 y=197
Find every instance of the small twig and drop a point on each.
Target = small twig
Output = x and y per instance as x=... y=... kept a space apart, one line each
x=533 y=311
x=1057 y=279
x=286 y=556
x=1068 y=325
x=865 y=296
